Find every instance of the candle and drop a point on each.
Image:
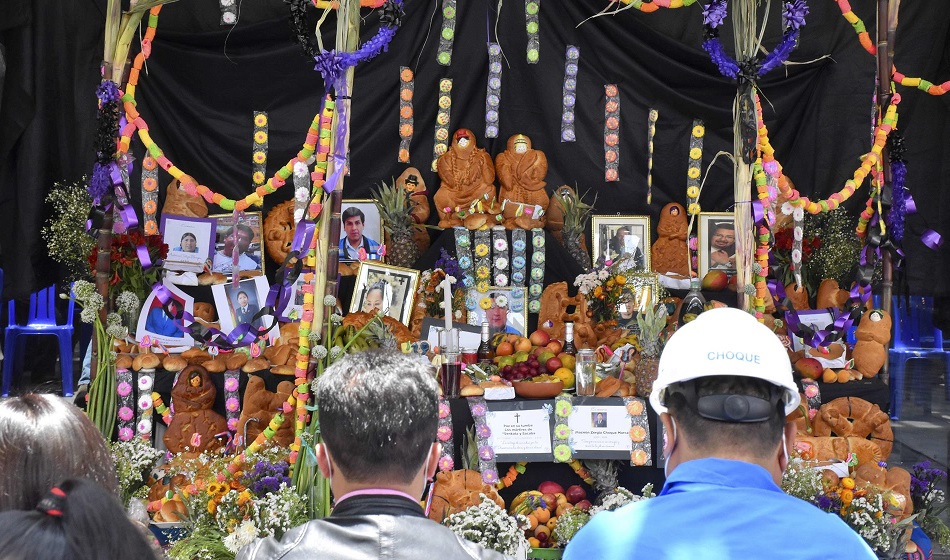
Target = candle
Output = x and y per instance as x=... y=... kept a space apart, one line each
x=447 y=301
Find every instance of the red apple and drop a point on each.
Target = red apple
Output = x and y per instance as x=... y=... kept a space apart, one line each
x=583 y=505
x=575 y=494
x=550 y=487
x=809 y=368
x=540 y=338
x=552 y=365
x=555 y=346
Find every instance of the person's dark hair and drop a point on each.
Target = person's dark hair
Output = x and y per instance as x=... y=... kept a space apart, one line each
x=758 y=439
x=243 y=227
x=351 y=212
x=378 y=415
x=242 y=292
x=189 y=234
x=79 y=520
x=724 y=225
x=44 y=440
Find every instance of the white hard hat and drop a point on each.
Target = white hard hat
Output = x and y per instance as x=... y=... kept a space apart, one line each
x=724 y=341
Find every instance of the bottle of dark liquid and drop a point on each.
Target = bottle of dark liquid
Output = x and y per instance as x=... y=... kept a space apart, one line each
x=693 y=304
x=485 y=353
x=569 y=347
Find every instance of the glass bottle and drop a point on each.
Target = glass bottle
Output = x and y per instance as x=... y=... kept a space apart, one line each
x=693 y=304
x=569 y=347
x=485 y=353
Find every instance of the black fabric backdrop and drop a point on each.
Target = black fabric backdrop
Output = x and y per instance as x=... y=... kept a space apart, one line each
x=203 y=82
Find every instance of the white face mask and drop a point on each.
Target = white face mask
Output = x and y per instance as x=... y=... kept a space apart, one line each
x=668 y=446
x=463 y=142
x=521 y=148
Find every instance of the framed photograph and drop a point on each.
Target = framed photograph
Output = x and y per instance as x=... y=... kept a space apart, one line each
x=361 y=227
x=157 y=325
x=470 y=336
x=387 y=289
x=294 y=308
x=246 y=235
x=503 y=308
x=190 y=241
x=240 y=304
x=717 y=242
x=621 y=237
x=640 y=292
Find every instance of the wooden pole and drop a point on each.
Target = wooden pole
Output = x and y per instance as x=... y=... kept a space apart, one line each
x=347 y=40
x=884 y=63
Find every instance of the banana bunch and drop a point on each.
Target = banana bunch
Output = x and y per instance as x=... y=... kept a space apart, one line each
x=628 y=339
x=526 y=502
x=350 y=335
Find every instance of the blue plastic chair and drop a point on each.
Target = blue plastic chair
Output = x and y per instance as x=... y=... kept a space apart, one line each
x=915 y=337
x=41 y=321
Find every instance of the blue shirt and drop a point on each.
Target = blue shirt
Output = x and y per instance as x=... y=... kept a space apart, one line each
x=348 y=253
x=718 y=509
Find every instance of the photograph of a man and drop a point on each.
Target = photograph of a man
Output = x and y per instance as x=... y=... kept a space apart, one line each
x=598 y=420
x=241 y=236
x=352 y=239
x=497 y=315
x=722 y=246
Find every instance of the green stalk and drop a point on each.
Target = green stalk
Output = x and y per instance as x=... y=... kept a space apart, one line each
x=102 y=397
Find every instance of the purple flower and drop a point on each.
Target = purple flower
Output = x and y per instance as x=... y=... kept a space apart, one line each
x=486 y=453
x=489 y=476
x=714 y=13
x=483 y=431
x=478 y=410
x=825 y=503
x=99 y=183
x=793 y=14
x=267 y=477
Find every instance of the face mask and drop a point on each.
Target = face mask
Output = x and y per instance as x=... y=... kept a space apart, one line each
x=671 y=445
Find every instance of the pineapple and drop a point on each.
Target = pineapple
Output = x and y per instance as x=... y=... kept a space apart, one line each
x=651 y=325
x=395 y=209
x=576 y=216
x=380 y=335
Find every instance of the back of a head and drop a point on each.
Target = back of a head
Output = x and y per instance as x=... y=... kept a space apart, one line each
x=77 y=519
x=378 y=415
x=726 y=380
x=44 y=440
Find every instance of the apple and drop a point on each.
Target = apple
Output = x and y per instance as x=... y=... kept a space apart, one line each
x=555 y=346
x=553 y=364
x=715 y=280
x=583 y=505
x=540 y=338
x=550 y=487
x=521 y=356
x=575 y=494
x=543 y=357
x=550 y=502
x=523 y=345
x=538 y=350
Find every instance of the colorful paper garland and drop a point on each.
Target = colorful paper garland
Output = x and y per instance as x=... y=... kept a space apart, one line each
x=406 y=119
x=442 y=120
x=612 y=133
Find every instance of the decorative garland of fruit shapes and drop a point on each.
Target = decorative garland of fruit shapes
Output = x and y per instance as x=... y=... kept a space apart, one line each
x=648 y=6
x=865 y=39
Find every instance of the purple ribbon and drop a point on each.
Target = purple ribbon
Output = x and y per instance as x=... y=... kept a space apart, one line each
x=931 y=239
x=910 y=207
x=282 y=291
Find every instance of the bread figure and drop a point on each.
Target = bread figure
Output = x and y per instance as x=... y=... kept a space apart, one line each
x=181 y=203
x=838 y=449
x=670 y=252
x=873 y=334
x=195 y=423
x=894 y=479
x=456 y=491
x=411 y=180
x=831 y=295
x=467 y=174
x=521 y=170
x=279 y=231
x=259 y=407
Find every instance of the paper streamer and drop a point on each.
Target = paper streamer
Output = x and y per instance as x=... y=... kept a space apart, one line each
x=228 y=12
x=654 y=115
x=463 y=251
x=500 y=262
x=535 y=286
x=569 y=98
x=612 y=133
x=406 y=89
x=641 y=450
x=442 y=120
x=259 y=150
x=693 y=166
x=126 y=405
x=531 y=10
x=232 y=398
x=145 y=404
x=493 y=95
x=447 y=37
x=519 y=260
x=149 y=195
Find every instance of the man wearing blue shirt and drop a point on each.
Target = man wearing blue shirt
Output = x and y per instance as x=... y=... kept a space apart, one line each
x=723 y=390
x=353 y=221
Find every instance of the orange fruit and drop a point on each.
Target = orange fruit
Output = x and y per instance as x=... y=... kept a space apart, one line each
x=504 y=349
x=566 y=360
x=542 y=514
x=533 y=542
x=533 y=521
x=566 y=376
